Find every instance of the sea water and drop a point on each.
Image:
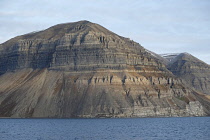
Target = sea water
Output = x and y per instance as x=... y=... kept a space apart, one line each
x=189 y=128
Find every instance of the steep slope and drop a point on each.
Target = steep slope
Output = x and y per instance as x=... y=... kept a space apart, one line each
x=195 y=72
x=82 y=69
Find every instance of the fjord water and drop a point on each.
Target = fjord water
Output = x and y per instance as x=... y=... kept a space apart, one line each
x=189 y=128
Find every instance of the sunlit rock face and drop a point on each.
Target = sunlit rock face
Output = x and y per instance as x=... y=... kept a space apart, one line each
x=82 y=69
x=75 y=46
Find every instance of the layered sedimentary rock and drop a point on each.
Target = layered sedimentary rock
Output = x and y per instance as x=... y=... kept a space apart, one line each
x=84 y=70
x=76 y=46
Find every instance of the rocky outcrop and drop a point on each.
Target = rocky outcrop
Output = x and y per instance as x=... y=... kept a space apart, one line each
x=84 y=70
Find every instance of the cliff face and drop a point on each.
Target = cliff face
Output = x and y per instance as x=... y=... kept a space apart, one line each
x=84 y=70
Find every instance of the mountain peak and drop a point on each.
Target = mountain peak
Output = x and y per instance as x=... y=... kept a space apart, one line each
x=82 y=40
x=81 y=26
x=60 y=30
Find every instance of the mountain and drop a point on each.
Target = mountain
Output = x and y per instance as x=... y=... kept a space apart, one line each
x=195 y=72
x=83 y=70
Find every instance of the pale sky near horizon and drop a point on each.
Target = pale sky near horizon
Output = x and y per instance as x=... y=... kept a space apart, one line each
x=161 y=26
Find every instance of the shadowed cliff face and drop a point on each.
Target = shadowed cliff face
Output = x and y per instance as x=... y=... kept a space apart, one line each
x=84 y=70
x=195 y=72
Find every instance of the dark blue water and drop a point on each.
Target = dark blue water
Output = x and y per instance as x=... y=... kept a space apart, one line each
x=106 y=129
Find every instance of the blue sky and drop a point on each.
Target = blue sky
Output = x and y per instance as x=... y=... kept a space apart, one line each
x=162 y=26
